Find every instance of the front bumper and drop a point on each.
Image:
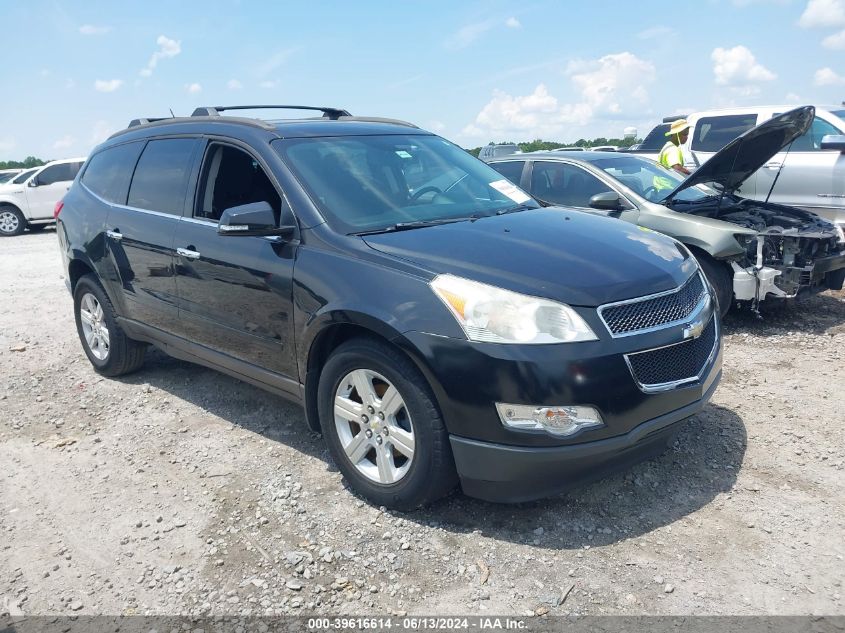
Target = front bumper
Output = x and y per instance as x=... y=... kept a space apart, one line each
x=511 y=474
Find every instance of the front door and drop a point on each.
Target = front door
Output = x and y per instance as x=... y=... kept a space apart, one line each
x=48 y=187
x=235 y=292
x=140 y=233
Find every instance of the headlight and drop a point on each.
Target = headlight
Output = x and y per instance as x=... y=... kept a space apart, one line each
x=493 y=315
x=840 y=232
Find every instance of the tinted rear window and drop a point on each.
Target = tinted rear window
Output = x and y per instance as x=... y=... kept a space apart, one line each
x=108 y=173
x=63 y=172
x=713 y=133
x=656 y=139
x=512 y=170
x=161 y=176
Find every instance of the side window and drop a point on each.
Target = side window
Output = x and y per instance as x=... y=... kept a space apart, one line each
x=656 y=139
x=564 y=184
x=812 y=140
x=108 y=173
x=512 y=170
x=63 y=172
x=161 y=176
x=230 y=178
x=713 y=133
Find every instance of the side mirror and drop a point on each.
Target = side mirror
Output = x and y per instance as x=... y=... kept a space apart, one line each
x=256 y=218
x=33 y=182
x=834 y=141
x=607 y=201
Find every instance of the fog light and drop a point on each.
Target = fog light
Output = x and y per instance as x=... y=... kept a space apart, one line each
x=554 y=420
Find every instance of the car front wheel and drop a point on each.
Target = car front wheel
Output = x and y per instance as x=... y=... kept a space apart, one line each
x=12 y=221
x=383 y=427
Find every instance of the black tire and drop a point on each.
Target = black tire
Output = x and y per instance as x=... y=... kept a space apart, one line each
x=720 y=277
x=124 y=354
x=36 y=228
x=431 y=474
x=12 y=221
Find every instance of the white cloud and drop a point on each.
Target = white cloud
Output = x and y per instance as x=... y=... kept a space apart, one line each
x=828 y=77
x=107 y=85
x=64 y=143
x=193 y=88
x=655 y=32
x=604 y=85
x=436 y=126
x=738 y=68
x=469 y=33
x=835 y=42
x=70 y=84
x=791 y=97
x=270 y=83
x=513 y=23
x=167 y=48
x=823 y=14
x=91 y=29
x=101 y=131
x=234 y=84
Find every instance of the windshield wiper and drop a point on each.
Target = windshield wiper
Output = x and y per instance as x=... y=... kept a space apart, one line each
x=519 y=207
x=416 y=224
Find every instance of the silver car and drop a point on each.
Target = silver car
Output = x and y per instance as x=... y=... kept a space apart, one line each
x=749 y=250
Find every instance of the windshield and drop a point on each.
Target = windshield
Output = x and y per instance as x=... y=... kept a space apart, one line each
x=839 y=113
x=651 y=180
x=368 y=183
x=7 y=177
x=656 y=139
x=21 y=177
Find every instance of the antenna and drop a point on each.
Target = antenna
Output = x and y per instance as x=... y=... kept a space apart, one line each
x=171 y=113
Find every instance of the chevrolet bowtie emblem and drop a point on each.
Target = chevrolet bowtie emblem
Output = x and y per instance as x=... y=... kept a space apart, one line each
x=694 y=329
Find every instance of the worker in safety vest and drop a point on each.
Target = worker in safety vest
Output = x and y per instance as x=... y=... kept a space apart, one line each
x=671 y=156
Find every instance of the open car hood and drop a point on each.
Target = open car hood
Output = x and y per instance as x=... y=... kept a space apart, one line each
x=739 y=159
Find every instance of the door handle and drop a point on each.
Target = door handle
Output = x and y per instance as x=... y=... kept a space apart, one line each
x=773 y=165
x=187 y=253
x=115 y=235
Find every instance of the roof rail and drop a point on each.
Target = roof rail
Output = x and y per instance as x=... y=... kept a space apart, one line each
x=331 y=113
x=675 y=117
x=137 y=122
x=376 y=119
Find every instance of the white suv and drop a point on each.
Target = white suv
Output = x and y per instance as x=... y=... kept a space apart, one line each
x=28 y=200
x=804 y=175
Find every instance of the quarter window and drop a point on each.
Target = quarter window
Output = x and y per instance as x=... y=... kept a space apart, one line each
x=108 y=173
x=161 y=177
x=567 y=185
x=713 y=133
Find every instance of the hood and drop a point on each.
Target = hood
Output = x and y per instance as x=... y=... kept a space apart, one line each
x=569 y=256
x=739 y=159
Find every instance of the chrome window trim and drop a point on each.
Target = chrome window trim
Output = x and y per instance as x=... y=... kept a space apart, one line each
x=668 y=386
x=128 y=208
x=702 y=305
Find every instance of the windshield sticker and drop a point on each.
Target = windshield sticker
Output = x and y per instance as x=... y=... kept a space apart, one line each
x=511 y=191
x=403 y=154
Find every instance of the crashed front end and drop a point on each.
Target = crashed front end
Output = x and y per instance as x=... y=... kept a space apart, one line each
x=794 y=251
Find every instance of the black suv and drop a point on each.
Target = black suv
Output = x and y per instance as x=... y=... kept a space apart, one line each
x=435 y=323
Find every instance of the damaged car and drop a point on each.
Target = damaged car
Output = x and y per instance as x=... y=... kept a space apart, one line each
x=750 y=250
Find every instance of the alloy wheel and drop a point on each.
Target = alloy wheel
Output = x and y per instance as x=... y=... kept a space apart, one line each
x=94 y=326
x=374 y=426
x=9 y=222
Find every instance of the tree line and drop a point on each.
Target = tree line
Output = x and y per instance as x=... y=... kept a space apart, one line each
x=539 y=145
x=27 y=163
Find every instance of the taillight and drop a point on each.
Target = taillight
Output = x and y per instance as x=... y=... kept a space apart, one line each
x=58 y=209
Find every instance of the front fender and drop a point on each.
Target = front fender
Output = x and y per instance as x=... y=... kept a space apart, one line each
x=714 y=237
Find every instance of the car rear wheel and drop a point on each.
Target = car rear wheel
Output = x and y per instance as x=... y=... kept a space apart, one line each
x=720 y=278
x=12 y=221
x=383 y=427
x=110 y=350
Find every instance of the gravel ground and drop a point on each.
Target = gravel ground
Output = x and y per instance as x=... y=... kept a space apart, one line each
x=178 y=490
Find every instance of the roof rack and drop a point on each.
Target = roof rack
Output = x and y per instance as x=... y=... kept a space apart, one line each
x=331 y=113
x=137 y=122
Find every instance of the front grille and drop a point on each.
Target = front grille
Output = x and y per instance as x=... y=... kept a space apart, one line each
x=680 y=362
x=642 y=314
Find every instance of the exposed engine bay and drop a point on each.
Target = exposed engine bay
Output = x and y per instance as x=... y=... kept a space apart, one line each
x=807 y=251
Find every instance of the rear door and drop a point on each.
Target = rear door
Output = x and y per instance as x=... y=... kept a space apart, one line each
x=48 y=187
x=235 y=292
x=711 y=133
x=140 y=233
